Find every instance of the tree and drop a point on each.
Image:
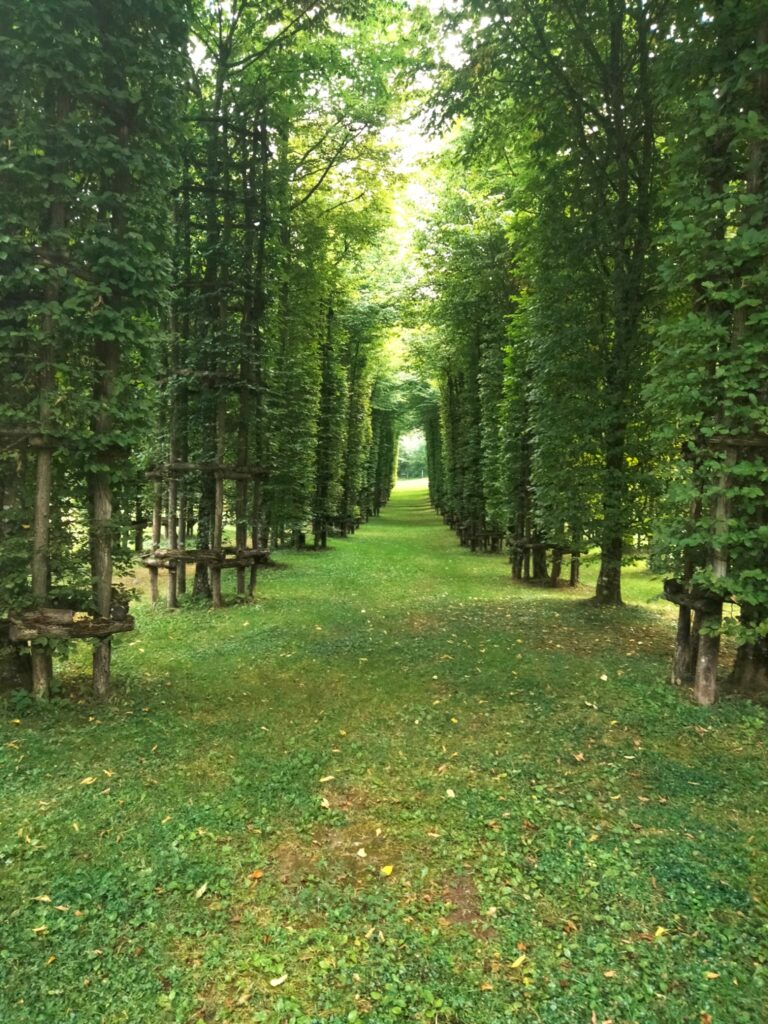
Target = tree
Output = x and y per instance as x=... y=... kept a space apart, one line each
x=711 y=348
x=87 y=98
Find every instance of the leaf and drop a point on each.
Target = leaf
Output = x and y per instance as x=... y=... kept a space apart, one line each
x=450 y=794
x=255 y=875
x=201 y=891
x=711 y=975
x=328 y=778
x=324 y=803
x=387 y=869
x=361 y=852
x=276 y=982
x=578 y=757
x=87 y=781
x=659 y=932
x=519 y=962
x=42 y=899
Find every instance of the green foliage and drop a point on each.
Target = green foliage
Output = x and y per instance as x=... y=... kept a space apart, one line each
x=711 y=344
x=87 y=100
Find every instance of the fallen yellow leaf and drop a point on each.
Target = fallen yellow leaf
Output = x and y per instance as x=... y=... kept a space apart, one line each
x=387 y=869
x=275 y=982
x=87 y=781
x=519 y=962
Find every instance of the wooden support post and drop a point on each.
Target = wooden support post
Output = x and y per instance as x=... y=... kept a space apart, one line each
x=575 y=569
x=708 y=656
x=241 y=529
x=107 y=358
x=173 y=540
x=138 y=530
x=218 y=505
x=157 y=516
x=42 y=663
x=557 y=566
x=181 y=568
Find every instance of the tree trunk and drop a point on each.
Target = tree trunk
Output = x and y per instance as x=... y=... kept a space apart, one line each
x=608 y=590
x=42 y=662
x=686 y=646
x=539 y=561
x=138 y=534
x=157 y=518
x=750 y=671
x=15 y=669
x=107 y=356
x=557 y=567
x=705 y=681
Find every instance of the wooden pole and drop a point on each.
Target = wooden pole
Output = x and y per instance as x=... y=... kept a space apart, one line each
x=218 y=504
x=157 y=516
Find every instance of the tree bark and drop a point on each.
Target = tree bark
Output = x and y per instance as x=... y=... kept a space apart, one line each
x=107 y=357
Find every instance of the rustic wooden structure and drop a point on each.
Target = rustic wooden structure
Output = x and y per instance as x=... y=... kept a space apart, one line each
x=26 y=628
x=65 y=624
x=175 y=556
x=542 y=561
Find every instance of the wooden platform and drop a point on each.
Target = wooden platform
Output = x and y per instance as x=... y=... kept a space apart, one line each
x=225 y=558
x=64 y=624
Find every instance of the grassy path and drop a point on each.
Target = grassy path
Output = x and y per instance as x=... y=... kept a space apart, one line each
x=397 y=787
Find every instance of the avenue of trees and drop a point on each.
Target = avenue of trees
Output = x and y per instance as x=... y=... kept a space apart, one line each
x=595 y=274
x=188 y=327
x=196 y=287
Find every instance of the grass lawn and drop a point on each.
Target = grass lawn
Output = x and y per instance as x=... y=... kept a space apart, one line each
x=397 y=787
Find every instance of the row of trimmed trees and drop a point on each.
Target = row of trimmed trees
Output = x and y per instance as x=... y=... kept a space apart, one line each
x=189 y=329
x=597 y=271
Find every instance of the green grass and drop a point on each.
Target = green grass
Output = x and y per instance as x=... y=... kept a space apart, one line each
x=604 y=851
